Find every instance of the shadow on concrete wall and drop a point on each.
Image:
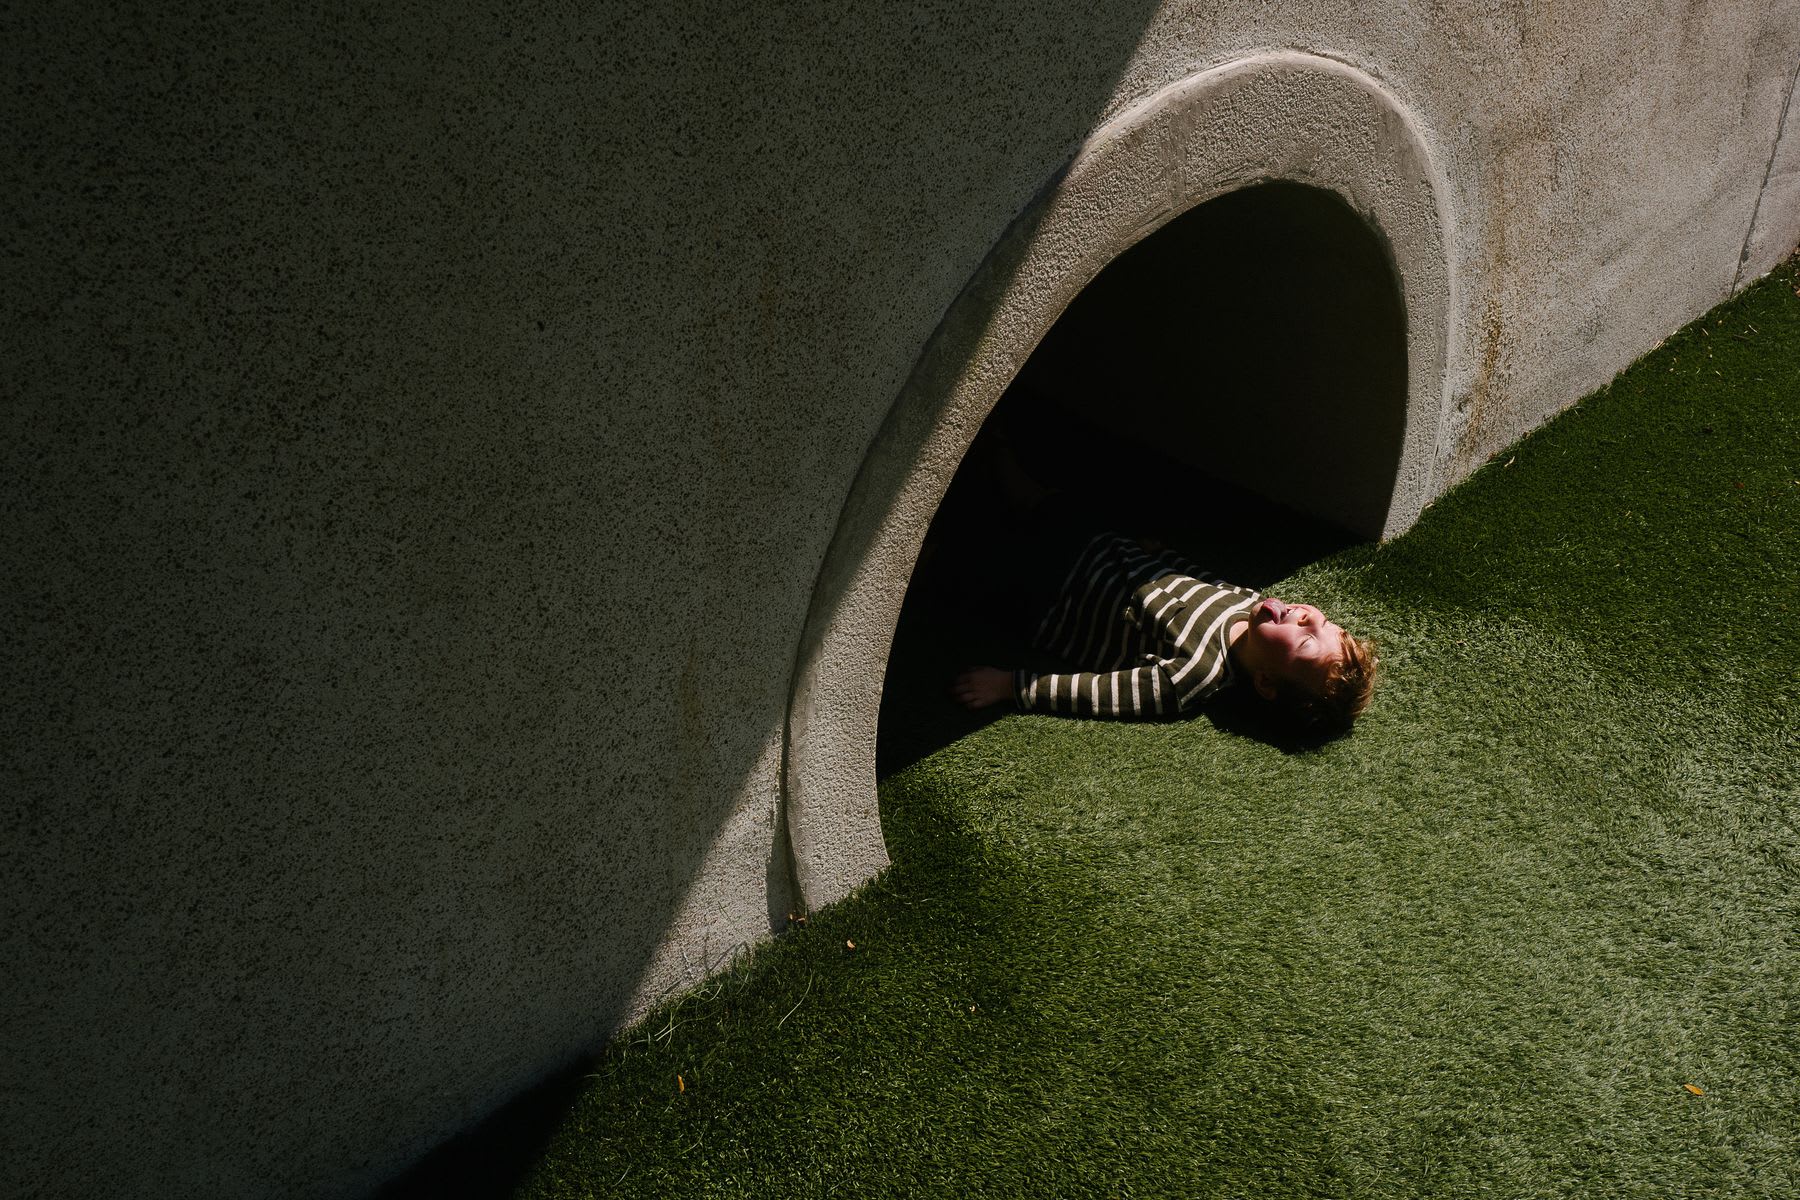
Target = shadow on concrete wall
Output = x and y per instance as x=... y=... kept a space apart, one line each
x=374 y=375
x=1233 y=385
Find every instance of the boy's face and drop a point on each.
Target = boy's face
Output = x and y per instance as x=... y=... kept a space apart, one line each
x=1292 y=643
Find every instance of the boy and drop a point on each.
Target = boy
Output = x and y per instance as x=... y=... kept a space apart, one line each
x=1154 y=637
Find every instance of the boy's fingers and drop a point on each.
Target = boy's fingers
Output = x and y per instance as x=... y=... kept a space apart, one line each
x=978 y=687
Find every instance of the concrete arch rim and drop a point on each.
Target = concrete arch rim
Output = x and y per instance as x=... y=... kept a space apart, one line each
x=1284 y=115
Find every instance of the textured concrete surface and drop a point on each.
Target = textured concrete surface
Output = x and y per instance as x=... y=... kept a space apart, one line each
x=459 y=466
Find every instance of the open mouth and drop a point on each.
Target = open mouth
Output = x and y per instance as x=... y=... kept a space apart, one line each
x=1270 y=609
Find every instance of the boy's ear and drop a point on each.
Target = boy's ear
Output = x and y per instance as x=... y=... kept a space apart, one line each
x=1264 y=683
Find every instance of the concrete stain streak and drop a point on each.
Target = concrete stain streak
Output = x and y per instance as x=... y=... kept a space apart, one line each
x=1737 y=279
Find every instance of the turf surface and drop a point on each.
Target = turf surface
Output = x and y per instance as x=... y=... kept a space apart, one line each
x=1480 y=948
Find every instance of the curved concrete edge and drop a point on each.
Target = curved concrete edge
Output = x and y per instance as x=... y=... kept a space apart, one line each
x=1284 y=115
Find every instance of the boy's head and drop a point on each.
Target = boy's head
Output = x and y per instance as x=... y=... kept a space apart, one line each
x=1307 y=665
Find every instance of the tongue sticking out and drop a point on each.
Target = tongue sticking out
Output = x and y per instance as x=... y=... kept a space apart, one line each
x=1270 y=609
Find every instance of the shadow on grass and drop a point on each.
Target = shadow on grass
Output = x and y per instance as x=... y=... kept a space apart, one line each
x=915 y=1040
x=741 y=1045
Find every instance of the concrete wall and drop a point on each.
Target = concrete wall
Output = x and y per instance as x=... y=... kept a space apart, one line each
x=457 y=465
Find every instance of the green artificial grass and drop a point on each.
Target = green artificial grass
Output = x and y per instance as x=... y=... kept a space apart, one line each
x=1479 y=948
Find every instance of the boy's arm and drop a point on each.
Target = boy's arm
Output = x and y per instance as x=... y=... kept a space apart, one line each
x=1147 y=691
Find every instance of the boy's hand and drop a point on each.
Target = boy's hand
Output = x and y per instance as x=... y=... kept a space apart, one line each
x=980 y=687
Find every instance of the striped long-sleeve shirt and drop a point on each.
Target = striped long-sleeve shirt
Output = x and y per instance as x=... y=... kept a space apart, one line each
x=1152 y=631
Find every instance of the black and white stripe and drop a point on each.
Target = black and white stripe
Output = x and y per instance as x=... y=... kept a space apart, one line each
x=1151 y=630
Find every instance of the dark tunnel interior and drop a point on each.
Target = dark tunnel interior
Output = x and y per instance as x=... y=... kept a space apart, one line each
x=1233 y=386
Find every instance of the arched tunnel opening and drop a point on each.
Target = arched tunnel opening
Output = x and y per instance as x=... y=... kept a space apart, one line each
x=1233 y=386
